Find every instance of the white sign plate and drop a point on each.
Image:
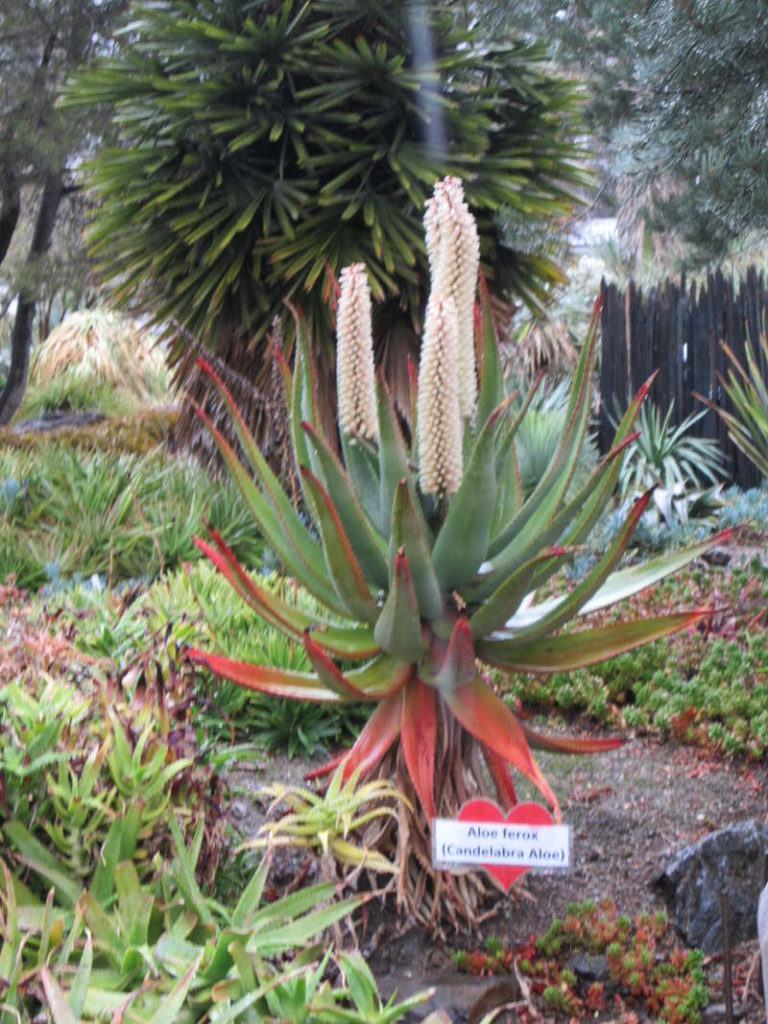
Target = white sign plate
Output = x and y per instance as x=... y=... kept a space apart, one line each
x=500 y=844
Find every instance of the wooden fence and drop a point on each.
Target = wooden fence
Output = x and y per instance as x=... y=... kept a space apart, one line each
x=678 y=329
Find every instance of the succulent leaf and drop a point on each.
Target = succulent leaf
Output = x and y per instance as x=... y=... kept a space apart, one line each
x=590 y=647
x=486 y=717
x=398 y=629
x=272 y=681
x=491 y=373
x=393 y=457
x=451 y=665
x=568 y=745
x=366 y=542
x=351 y=643
x=418 y=737
x=343 y=567
x=380 y=679
x=462 y=542
x=409 y=532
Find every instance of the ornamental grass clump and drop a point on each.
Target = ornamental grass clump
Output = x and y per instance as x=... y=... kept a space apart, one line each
x=428 y=558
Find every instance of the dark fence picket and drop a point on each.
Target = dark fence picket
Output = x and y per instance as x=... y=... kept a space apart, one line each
x=678 y=330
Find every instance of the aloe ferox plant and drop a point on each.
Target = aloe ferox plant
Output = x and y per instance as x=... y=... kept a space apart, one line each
x=428 y=556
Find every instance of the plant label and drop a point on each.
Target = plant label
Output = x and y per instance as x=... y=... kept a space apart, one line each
x=505 y=845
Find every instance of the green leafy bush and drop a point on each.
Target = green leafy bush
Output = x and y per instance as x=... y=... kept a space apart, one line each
x=194 y=605
x=65 y=513
x=166 y=951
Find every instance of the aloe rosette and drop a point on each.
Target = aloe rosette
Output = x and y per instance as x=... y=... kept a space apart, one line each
x=427 y=556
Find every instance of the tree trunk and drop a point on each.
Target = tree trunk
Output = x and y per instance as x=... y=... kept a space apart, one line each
x=21 y=336
x=10 y=211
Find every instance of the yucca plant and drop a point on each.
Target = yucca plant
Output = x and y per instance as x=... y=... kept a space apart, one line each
x=747 y=390
x=260 y=141
x=428 y=557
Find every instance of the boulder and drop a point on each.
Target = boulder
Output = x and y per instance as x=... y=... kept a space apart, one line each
x=734 y=859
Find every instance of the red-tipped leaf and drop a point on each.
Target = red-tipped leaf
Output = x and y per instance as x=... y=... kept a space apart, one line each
x=418 y=738
x=486 y=717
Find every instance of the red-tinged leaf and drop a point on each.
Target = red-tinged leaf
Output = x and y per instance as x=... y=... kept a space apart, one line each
x=564 y=745
x=345 y=570
x=502 y=778
x=589 y=647
x=382 y=678
x=502 y=604
x=368 y=546
x=486 y=717
x=297 y=551
x=342 y=642
x=378 y=735
x=272 y=681
x=398 y=629
x=453 y=665
x=418 y=739
x=325 y=769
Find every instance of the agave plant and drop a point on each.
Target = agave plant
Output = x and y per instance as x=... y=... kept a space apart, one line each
x=747 y=389
x=428 y=557
x=670 y=455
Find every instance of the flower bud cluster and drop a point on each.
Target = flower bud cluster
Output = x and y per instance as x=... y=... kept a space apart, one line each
x=439 y=419
x=447 y=375
x=453 y=249
x=354 y=356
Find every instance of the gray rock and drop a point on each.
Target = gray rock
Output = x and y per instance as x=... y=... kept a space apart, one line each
x=734 y=859
x=589 y=967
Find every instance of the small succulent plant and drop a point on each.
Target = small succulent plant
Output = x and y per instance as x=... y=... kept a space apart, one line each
x=428 y=555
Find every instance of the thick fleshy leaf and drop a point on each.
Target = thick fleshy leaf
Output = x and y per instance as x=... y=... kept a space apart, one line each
x=409 y=531
x=269 y=483
x=594 y=504
x=551 y=489
x=451 y=665
x=578 y=650
x=504 y=602
x=369 y=547
x=398 y=629
x=303 y=560
x=621 y=585
x=587 y=587
x=273 y=681
x=502 y=778
x=343 y=567
x=569 y=745
x=393 y=457
x=379 y=733
x=529 y=545
x=462 y=543
x=418 y=739
x=303 y=406
x=491 y=374
x=362 y=464
x=381 y=678
x=342 y=642
x=486 y=717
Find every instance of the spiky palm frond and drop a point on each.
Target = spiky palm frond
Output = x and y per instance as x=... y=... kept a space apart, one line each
x=261 y=141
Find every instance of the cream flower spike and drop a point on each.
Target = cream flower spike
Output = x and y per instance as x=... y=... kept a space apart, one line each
x=454 y=273
x=439 y=426
x=355 y=378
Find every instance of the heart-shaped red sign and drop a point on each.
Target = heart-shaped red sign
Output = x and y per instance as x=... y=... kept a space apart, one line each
x=521 y=814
